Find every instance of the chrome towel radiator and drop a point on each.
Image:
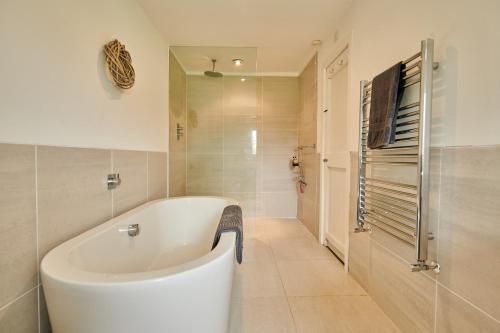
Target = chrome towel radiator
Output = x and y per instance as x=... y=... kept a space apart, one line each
x=400 y=208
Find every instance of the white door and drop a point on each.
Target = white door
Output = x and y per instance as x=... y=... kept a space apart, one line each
x=336 y=157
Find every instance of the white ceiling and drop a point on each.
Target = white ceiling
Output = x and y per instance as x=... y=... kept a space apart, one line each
x=282 y=30
x=197 y=59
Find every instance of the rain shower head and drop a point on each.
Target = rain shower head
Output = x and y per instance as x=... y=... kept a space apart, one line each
x=213 y=73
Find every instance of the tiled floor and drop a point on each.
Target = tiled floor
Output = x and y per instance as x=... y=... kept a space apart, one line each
x=290 y=283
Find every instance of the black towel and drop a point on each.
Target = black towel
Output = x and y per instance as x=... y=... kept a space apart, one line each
x=385 y=101
x=231 y=220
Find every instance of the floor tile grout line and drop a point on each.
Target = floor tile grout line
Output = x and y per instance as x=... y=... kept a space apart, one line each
x=18 y=297
x=284 y=289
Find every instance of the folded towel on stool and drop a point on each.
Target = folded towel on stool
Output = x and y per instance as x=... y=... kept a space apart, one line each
x=231 y=221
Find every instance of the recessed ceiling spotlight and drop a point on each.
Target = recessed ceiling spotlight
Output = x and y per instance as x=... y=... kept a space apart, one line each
x=316 y=42
x=238 y=61
x=243 y=79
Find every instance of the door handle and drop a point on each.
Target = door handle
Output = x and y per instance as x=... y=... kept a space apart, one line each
x=325 y=160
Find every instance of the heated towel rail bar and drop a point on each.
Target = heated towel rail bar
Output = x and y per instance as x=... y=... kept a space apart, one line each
x=397 y=208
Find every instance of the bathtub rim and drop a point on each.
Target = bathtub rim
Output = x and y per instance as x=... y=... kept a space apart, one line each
x=55 y=265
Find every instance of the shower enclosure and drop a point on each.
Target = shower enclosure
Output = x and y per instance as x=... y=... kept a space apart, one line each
x=214 y=120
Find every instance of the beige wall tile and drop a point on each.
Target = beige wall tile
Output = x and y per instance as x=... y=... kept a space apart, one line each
x=359 y=243
x=281 y=123
x=239 y=173
x=207 y=138
x=280 y=106
x=308 y=203
x=468 y=227
x=307 y=213
x=276 y=174
x=18 y=259
x=21 y=316
x=359 y=258
x=241 y=98
x=279 y=141
x=177 y=87
x=408 y=298
x=157 y=175
x=204 y=115
x=177 y=115
x=457 y=315
x=72 y=193
x=205 y=174
x=177 y=174
x=280 y=96
x=241 y=134
x=346 y=314
x=261 y=315
x=279 y=204
x=132 y=167
x=247 y=201
x=230 y=120
x=279 y=134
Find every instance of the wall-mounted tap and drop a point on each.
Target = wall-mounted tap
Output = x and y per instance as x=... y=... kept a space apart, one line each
x=113 y=181
x=133 y=230
x=179 y=131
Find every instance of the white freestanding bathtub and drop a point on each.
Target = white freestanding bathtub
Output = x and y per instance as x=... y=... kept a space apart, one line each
x=164 y=280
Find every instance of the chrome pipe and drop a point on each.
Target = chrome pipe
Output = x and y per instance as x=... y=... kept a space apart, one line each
x=391 y=191
x=407 y=114
x=404 y=122
x=408 y=231
x=409 y=76
x=413 y=57
x=390 y=212
x=361 y=166
x=405 y=222
x=393 y=232
x=313 y=146
x=386 y=182
x=427 y=51
x=406 y=69
x=391 y=163
x=404 y=129
x=408 y=84
x=409 y=106
x=408 y=144
x=402 y=210
x=402 y=155
x=388 y=199
x=391 y=157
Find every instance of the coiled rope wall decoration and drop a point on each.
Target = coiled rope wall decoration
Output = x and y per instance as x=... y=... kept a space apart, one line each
x=119 y=64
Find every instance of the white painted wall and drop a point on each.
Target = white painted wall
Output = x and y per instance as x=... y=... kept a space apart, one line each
x=466 y=109
x=53 y=86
